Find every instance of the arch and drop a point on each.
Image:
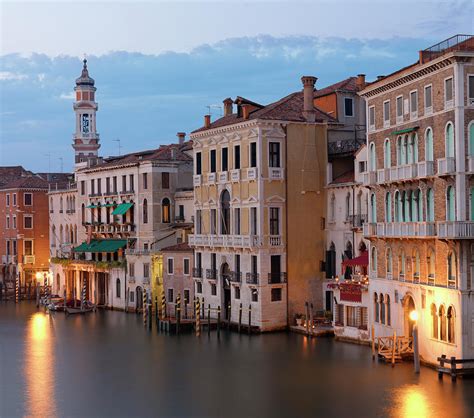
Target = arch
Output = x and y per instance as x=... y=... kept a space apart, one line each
x=399 y=150
x=415 y=205
x=416 y=264
x=414 y=144
x=382 y=309
x=452 y=269
x=389 y=313
x=118 y=288
x=58 y=283
x=332 y=247
x=372 y=157
x=362 y=247
x=376 y=307
x=386 y=153
x=389 y=262
x=449 y=140
x=434 y=321
x=225 y=212
x=388 y=207
x=145 y=211
x=401 y=265
x=431 y=264
x=373 y=208
x=373 y=259
x=451 y=324
x=429 y=154
x=408 y=306
x=430 y=205
x=442 y=323
x=450 y=204
x=348 y=205
x=406 y=206
x=165 y=210
x=397 y=207
x=404 y=150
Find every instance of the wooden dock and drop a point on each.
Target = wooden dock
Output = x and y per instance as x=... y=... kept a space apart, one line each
x=450 y=367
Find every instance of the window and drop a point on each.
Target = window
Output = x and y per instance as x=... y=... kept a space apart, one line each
x=452 y=270
x=198 y=223
x=213 y=160
x=165 y=180
x=181 y=212
x=387 y=154
x=237 y=263
x=388 y=207
x=236 y=292
x=431 y=264
x=107 y=185
x=348 y=206
x=199 y=287
x=8 y=247
x=376 y=308
x=99 y=186
x=124 y=184
x=373 y=208
x=450 y=204
x=145 y=211
x=145 y=180
x=14 y=222
x=237 y=221
x=213 y=289
x=165 y=210
x=386 y=113
x=7 y=199
x=399 y=107
x=118 y=289
x=253 y=154
x=373 y=259
x=429 y=205
x=131 y=269
x=274 y=221
x=146 y=270
x=451 y=324
x=470 y=132
x=416 y=264
x=28 y=199
x=442 y=323
x=389 y=263
x=414 y=103
x=8 y=222
x=449 y=137
x=28 y=247
x=429 y=144
x=225 y=212
x=186 y=266
x=237 y=157
x=224 y=159
x=114 y=184
x=371 y=117
x=28 y=221
x=274 y=154
x=351 y=316
x=186 y=296
x=470 y=90
x=254 y=293
x=348 y=107
x=14 y=199
x=132 y=296
x=389 y=314
x=131 y=180
x=170 y=266
x=382 y=309
x=372 y=157
x=276 y=294
x=401 y=265
x=253 y=221
x=213 y=221
x=434 y=322
x=198 y=163
x=428 y=99
x=170 y=295
x=448 y=91
x=332 y=208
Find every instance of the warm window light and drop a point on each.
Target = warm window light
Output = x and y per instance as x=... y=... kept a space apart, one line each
x=414 y=316
x=38 y=275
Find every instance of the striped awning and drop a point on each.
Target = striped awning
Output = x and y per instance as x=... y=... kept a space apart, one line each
x=101 y=246
x=122 y=208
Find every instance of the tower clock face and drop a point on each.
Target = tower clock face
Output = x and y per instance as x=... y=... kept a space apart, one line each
x=85 y=124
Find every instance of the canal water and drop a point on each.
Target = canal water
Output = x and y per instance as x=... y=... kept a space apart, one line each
x=105 y=364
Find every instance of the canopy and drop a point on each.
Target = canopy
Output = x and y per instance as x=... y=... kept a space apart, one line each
x=405 y=131
x=101 y=246
x=362 y=260
x=122 y=209
x=93 y=206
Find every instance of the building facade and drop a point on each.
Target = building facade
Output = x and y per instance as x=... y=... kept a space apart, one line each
x=421 y=224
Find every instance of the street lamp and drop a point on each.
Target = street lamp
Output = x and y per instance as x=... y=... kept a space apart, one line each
x=416 y=353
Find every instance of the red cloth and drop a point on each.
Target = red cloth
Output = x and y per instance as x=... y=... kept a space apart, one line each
x=362 y=260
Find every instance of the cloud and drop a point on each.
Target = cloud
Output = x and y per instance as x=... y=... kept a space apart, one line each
x=67 y=96
x=9 y=76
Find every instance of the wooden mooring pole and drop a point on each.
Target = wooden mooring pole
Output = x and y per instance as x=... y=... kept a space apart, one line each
x=307 y=318
x=219 y=321
x=393 y=347
x=228 y=316
x=198 y=318
x=373 y=343
x=250 y=319
x=178 y=312
x=209 y=320
x=240 y=317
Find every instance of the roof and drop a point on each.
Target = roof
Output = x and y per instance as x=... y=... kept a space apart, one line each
x=30 y=182
x=183 y=246
x=9 y=173
x=289 y=108
x=347 y=177
x=347 y=85
x=84 y=79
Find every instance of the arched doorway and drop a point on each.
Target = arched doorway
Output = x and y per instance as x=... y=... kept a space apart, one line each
x=225 y=278
x=408 y=306
x=139 y=299
x=348 y=255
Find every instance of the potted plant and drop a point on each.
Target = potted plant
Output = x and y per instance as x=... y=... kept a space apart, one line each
x=299 y=320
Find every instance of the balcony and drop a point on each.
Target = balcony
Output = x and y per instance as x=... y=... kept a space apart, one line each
x=446 y=166
x=223 y=177
x=211 y=274
x=357 y=221
x=370 y=229
x=401 y=229
x=383 y=175
x=252 y=173
x=470 y=163
x=197 y=180
x=275 y=278
x=28 y=259
x=403 y=172
x=136 y=251
x=425 y=169
x=275 y=240
x=456 y=230
x=235 y=175
x=211 y=178
x=7 y=259
x=252 y=278
x=197 y=272
x=235 y=276
x=225 y=241
x=275 y=173
x=369 y=178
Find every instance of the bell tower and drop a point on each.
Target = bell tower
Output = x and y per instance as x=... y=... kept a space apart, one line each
x=85 y=139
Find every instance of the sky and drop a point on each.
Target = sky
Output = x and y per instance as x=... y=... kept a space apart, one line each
x=158 y=66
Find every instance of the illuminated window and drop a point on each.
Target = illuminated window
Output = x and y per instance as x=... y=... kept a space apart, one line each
x=434 y=321
x=165 y=210
x=451 y=324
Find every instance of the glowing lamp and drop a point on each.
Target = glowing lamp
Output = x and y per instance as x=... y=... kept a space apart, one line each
x=38 y=275
x=414 y=316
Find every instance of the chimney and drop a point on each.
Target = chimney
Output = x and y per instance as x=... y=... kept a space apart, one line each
x=181 y=137
x=308 y=96
x=245 y=111
x=360 y=82
x=228 y=106
x=207 y=121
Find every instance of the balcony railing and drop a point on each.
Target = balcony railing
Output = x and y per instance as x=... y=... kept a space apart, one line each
x=370 y=229
x=425 y=169
x=197 y=272
x=274 y=278
x=403 y=172
x=470 y=163
x=28 y=259
x=369 y=178
x=229 y=241
x=211 y=274
x=400 y=229
x=252 y=278
x=446 y=166
x=357 y=221
x=383 y=175
x=235 y=276
x=456 y=230
x=136 y=251
x=275 y=240
x=275 y=173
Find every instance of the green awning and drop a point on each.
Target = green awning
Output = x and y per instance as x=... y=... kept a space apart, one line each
x=108 y=205
x=101 y=246
x=122 y=209
x=405 y=131
x=93 y=206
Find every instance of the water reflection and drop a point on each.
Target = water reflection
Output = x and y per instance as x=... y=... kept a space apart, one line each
x=39 y=363
x=413 y=402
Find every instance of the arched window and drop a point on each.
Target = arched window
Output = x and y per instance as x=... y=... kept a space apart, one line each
x=450 y=204
x=399 y=150
x=386 y=153
x=452 y=270
x=332 y=207
x=66 y=235
x=416 y=264
x=451 y=324
x=145 y=211
x=414 y=138
x=51 y=206
x=359 y=203
x=471 y=199
x=61 y=235
x=53 y=236
x=410 y=149
x=429 y=205
x=401 y=265
x=431 y=264
x=449 y=140
x=389 y=262
x=372 y=157
x=75 y=234
x=376 y=307
x=225 y=213
x=389 y=314
x=83 y=214
x=405 y=150
x=373 y=208
x=406 y=208
x=397 y=207
x=434 y=321
x=118 y=289
x=421 y=215
x=429 y=155
x=442 y=323
x=58 y=283
x=61 y=204
x=373 y=259
x=388 y=207
x=415 y=207
x=471 y=137
x=348 y=206
x=165 y=210
x=71 y=234
x=382 y=309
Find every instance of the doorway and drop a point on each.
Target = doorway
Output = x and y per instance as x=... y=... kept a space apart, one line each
x=101 y=288
x=408 y=307
x=225 y=277
x=139 y=299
